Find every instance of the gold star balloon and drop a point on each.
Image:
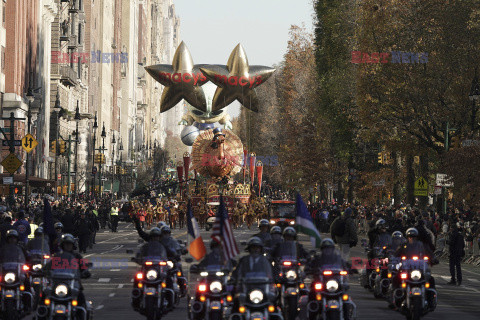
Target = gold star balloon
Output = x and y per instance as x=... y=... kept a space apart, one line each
x=182 y=80
x=237 y=80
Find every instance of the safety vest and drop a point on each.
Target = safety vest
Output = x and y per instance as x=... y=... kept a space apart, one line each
x=95 y=212
x=33 y=227
x=114 y=212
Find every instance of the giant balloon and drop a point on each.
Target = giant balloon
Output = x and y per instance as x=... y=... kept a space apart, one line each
x=237 y=80
x=182 y=80
x=189 y=134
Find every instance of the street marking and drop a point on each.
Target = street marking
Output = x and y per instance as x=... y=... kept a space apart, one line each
x=117 y=247
x=111 y=295
x=99 y=307
x=104 y=280
x=120 y=286
x=114 y=269
x=131 y=280
x=473 y=280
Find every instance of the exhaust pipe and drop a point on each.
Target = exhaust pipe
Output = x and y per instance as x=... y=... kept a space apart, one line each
x=313 y=307
x=385 y=283
x=42 y=311
x=136 y=293
x=197 y=307
x=83 y=312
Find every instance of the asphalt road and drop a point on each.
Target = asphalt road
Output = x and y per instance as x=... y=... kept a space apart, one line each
x=110 y=285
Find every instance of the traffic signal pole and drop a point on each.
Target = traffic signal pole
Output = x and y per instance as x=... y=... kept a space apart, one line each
x=444 y=189
x=68 y=167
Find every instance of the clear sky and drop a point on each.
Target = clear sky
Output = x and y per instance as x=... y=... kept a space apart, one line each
x=212 y=28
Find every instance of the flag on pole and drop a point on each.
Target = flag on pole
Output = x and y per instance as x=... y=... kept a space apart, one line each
x=223 y=233
x=197 y=247
x=304 y=223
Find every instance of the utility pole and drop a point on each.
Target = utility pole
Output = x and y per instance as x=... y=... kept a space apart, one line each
x=95 y=126
x=77 y=120
x=30 y=98
x=68 y=164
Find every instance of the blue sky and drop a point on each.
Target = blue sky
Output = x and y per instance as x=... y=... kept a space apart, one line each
x=212 y=28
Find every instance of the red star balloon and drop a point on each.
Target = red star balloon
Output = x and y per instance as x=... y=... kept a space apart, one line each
x=237 y=80
x=182 y=80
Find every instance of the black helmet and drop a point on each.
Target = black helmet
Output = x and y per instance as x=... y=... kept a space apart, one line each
x=12 y=233
x=327 y=243
x=67 y=238
x=161 y=224
x=276 y=230
x=254 y=241
x=166 y=229
x=263 y=223
x=155 y=232
x=38 y=232
x=380 y=224
x=289 y=231
x=214 y=244
x=58 y=225
x=412 y=233
x=397 y=234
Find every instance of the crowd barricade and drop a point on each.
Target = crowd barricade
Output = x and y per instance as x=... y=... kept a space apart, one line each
x=472 y=252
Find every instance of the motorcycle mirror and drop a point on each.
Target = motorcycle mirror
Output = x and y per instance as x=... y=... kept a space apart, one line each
x=128 y=251
x=188 y=260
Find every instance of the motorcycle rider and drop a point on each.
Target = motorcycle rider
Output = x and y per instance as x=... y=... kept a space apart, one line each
x=276 y=234
x=22 y=226
x=255 y=261
x=398 y=240
x=289 y=235
x=55 y=245
x=264 y=235
x=153 y=245
x=67 y=245
x=379 y=237
x=40 y=241
x=215 y=258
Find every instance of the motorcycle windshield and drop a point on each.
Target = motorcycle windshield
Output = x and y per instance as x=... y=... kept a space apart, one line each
x=258 y=277
x=154 y=250
x=414 y=265
x=288 y=251
x=214 y=268
x=11 y=253
x=38 y=247
x=65 y=266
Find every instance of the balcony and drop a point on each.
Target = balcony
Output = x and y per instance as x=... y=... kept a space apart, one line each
x=68 y=76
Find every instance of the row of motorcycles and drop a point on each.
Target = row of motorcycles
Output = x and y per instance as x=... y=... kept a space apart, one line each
x=404 y=282
x=286 y=296
x=26 y=288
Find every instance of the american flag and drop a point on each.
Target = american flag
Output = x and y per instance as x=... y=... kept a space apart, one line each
x=223 y=233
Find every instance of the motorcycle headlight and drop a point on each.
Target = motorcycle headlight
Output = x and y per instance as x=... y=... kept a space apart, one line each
x=256 y=296
x=37 y=267
x=292 y=222
x=332 y=285
x=272 y=221
x=61 y=290
x=10 y=277
x=216 y=287
x=416 y=275
x=170 y=264
x=291 y=275
x=152 y=275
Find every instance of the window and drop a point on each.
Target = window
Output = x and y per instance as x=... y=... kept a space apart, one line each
x=79 y=33
x=3 y=13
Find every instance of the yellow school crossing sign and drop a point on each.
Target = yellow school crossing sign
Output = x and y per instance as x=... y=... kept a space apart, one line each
x=29 y=142
x=421 y=188
x=11 y=163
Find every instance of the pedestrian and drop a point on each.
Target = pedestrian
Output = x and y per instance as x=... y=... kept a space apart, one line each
x=456 y=245
x=344 y=233
x=22 y=226
x=114 y=218
x=83 y=231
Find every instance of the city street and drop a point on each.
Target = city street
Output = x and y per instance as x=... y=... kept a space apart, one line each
x=111 y=282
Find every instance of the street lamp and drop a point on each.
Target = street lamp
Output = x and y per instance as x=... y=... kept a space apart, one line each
x=474 y=96
x=57 y=108
x=95 y=126
x=103 y=135
x=113 y=161
x=120 y=148
x=77 y=120
x=30 y=98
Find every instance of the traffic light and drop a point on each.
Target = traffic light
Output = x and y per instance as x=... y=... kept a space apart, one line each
x=380 y=157
x=63 y=146
x=387 y=158
x=455 y=142
x=53 y=146
x=98 y=158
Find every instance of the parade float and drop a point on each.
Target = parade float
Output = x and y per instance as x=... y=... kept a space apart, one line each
x=217 y=153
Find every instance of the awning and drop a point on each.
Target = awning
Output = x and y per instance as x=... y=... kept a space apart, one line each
x=32 y=181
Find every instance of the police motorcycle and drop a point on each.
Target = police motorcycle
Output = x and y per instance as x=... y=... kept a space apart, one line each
x=328 y=298
x=414 y=297
x=211 y=298
x=368 y=275
x=15 y=301
x=256 y=298
x=37 y=277
x=289 y=279
x=151 y=282
x=383 y=272
x=60 y=298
